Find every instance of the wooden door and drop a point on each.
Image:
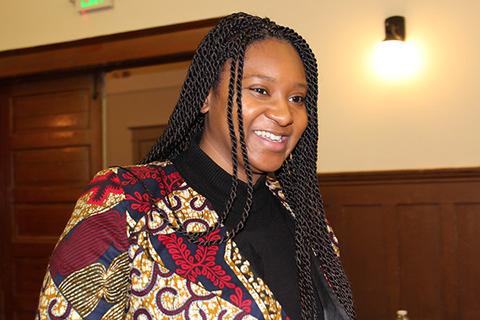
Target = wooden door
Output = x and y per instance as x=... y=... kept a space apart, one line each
x=51 y=147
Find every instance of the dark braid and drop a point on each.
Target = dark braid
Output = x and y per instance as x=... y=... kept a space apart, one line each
x=233 y=188
x=227 y=42
x=243 y=146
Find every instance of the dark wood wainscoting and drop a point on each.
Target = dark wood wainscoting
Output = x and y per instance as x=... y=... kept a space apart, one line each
x=409 y=240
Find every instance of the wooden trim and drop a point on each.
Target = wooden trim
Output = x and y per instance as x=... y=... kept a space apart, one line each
x=5 y=176
x=396 y=176
x=148 y=46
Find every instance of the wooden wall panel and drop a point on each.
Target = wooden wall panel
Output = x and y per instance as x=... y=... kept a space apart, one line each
x=4 y=222
x=28 y=266
x=420 y=241
x=450 y=257
x=374 y=279
x=24 y=278
x=52 y=110
x=46 y=194
x=2 y=300
x=409 y=241
x=35 y=220
x=53 y=148
x=41 y=166
x=468 y=217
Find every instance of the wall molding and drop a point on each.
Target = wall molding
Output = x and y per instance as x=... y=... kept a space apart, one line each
x=128 y=49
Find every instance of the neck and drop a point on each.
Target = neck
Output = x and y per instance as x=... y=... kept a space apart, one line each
x=225 y=161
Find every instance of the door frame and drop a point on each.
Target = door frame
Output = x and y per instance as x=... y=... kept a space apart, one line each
x=104 y=53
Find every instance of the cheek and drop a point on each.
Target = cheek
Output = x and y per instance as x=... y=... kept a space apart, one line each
x=302 y=121
x=218 y=116
x=249 y=114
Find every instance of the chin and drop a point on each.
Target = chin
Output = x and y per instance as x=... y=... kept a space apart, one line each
x=265 y=166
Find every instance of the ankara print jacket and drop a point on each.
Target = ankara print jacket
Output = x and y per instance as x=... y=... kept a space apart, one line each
x=117 y=259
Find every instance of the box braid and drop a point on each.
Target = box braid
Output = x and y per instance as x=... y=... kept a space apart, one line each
x=227 y=42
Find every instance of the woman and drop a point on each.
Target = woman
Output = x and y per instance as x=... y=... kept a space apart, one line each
x=224 y=219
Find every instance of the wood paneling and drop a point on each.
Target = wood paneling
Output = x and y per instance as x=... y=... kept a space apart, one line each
x=408 y=241
x=34 y=220
x=65 y=110
x=468 y=217
x=31 y=165
x=52 y=147
x=420 y=261
x=354 y=219
x=4 y=221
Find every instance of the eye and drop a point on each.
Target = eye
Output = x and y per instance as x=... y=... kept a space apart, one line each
x=259 y=90
x=297 y=99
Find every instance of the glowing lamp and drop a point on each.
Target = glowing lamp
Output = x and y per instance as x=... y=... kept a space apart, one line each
x=394 y=58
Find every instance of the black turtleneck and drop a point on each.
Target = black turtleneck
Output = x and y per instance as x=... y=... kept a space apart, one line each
x=266 y=241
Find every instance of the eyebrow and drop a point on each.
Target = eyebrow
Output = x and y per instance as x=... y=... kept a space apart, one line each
x=271 y=79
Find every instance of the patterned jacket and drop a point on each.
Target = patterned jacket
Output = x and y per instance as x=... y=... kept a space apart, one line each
x=118 y=259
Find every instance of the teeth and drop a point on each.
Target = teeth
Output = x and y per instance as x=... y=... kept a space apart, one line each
x=268 y=135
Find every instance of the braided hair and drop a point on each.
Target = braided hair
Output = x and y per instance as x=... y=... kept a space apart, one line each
x=228 y=41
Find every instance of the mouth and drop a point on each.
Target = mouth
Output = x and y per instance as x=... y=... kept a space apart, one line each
x=267 y=135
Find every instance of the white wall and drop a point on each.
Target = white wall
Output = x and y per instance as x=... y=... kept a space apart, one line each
x=145 y=97
x=365 y=124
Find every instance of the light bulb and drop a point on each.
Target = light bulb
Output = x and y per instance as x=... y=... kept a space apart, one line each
x=396 y=60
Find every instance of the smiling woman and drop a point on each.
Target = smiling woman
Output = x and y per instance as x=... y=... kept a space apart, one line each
x=224 y=219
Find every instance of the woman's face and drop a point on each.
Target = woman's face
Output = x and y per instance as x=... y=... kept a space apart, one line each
x=273 y=104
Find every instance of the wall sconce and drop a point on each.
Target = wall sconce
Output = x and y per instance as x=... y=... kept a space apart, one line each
x=395 y=58
x=395 y=28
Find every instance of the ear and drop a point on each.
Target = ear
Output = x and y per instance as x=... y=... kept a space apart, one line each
x=206 y=104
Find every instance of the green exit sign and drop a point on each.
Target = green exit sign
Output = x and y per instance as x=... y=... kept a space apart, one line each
x=88 y=5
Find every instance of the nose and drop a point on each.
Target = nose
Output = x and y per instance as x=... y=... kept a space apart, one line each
x=280 y=113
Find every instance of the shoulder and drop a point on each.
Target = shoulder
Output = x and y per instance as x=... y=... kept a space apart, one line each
x=103 y=193
x=113 y=185
x=90 y=262
x=115 y=191
x=157 y=179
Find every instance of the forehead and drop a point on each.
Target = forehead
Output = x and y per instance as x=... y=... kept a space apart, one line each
x=275 y=58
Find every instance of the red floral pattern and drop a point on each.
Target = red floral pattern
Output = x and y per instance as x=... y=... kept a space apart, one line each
x=237 y=299
x=167 y=182
x=201 y=263
x=141 y=202
x=143 y=172
x=171 y=181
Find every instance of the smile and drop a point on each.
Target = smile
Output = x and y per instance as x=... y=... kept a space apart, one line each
x=269 y=136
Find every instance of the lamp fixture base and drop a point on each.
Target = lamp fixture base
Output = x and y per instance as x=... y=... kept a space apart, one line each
x=395 y=28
